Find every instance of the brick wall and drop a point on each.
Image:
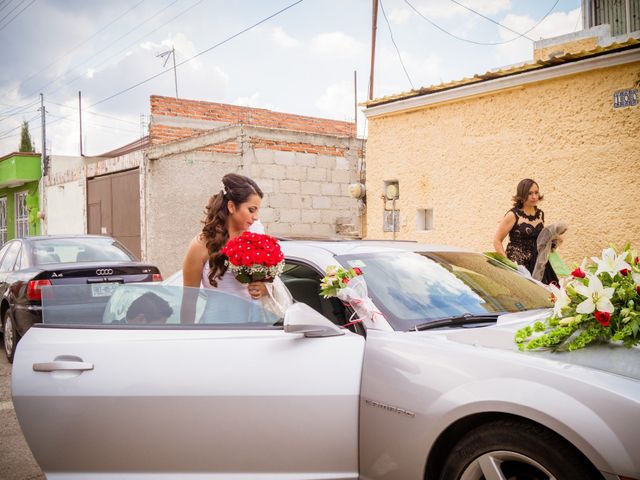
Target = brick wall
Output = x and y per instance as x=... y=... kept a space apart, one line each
x=224 y=113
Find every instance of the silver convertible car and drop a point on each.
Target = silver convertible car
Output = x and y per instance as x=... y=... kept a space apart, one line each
x=437 y=389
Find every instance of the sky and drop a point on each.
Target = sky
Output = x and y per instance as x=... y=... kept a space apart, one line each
x=300 y=58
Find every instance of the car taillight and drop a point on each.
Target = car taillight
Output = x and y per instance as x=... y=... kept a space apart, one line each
x=34 y=289
x=156 y=277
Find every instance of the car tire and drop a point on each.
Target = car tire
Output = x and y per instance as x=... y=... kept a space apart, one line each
x=9 y=335
x=515 y=450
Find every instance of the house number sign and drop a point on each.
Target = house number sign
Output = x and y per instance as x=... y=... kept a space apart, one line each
x=625 y=98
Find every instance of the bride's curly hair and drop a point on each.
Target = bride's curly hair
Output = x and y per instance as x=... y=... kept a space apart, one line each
x=238 y=189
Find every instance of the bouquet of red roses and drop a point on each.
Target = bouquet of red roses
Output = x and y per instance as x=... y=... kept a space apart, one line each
x=254 y=257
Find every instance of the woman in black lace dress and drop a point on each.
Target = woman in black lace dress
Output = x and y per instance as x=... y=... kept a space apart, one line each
x=523 y=224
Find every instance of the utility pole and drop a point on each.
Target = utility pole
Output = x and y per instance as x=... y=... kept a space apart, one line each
x=166 y=56
x=355 y=101
x=80 y=115
x=43 y=166
x=374 y=27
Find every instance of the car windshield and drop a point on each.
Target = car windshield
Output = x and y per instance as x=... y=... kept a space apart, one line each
x=413 y=288
x=72 y=250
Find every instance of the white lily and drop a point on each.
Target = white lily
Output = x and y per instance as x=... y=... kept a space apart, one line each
x=610 y=263
x=332 y=270
x=561 y=299
x=598 y=297
x=636 y=278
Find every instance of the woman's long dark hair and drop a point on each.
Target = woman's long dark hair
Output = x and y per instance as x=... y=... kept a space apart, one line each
x=238 y=189
x=522 y=192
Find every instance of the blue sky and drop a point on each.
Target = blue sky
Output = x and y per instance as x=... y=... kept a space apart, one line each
x=300 y=61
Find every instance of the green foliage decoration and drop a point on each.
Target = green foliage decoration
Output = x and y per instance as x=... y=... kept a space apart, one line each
x=600 y=301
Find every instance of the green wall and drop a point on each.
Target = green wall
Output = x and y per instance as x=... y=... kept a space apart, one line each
x=9 y=193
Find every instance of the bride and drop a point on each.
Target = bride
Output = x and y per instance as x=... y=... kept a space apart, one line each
x=229 y=213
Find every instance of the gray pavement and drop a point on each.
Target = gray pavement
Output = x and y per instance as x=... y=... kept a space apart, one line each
x=16 y=460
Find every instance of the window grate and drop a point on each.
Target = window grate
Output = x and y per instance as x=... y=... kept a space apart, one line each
x=22 y=215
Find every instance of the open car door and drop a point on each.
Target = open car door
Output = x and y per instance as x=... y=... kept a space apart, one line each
x=100 y=393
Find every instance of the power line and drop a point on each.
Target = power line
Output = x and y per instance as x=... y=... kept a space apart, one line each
x=106 y=48
x=16 y=15
x=4 y=134
x=384 y=14
x=129 y=45
x=96 y=113
x=476 y=42
x=17 y=109
x=198 y=54
x=5 y=5
x=492 y=20
x=93 y=124
x=81 y=43
x=12 y=10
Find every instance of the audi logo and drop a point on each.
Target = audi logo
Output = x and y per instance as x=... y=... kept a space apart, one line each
x=104 y=271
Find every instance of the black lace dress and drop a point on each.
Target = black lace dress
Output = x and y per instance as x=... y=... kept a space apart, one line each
x=522 y=247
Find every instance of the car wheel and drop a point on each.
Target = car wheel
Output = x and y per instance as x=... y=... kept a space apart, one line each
x=514 y=450
x=10 y=336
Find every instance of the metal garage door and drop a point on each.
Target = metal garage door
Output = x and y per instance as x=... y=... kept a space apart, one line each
x=113 y=207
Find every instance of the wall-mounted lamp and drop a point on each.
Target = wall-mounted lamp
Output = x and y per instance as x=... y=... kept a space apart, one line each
x=357 y=190
x=391 y=191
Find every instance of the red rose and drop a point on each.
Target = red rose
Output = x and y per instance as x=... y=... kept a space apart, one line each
x=577 y=273
x=357 y=270
x=345 y=280
x=638 y=289
x=604 y=318
x=637 y=260
x=624 y=272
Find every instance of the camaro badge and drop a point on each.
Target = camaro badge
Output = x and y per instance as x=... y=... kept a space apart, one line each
x=391 y=408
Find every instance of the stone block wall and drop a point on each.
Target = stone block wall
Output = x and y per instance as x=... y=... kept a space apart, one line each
x=303 y=164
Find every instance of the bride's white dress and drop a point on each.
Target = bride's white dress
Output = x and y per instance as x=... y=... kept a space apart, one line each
x=277 y=300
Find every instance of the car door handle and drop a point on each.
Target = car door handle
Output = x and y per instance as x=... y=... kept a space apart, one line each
x=61 y=365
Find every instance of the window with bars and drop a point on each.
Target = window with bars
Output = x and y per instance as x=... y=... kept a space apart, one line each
x=22 y=215
x=3 y=220
x=622 y=15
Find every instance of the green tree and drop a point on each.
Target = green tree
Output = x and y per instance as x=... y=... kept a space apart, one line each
x=25 y=139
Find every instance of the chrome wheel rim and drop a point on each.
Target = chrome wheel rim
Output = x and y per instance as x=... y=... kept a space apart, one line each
x=8 y=335
x=505 y=465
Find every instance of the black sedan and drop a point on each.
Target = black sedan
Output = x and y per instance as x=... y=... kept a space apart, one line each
x=29 y=264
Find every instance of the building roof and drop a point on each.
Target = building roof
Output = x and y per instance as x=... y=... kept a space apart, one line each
x=631 y=43
x=19 y=154
x=139 y=144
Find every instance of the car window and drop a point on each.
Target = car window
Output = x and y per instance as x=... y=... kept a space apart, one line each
x=303 y=282
x=9 y=259
x=410 y=288
x=3 y=250
x=152 y=305
x=81 y=249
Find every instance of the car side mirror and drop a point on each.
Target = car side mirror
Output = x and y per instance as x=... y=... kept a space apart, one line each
x=301 y=318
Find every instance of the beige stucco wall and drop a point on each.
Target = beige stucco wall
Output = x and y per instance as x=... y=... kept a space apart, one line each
x=464 y=159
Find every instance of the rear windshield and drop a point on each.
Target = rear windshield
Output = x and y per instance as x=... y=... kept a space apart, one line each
x=412 y=288
x=71 y=250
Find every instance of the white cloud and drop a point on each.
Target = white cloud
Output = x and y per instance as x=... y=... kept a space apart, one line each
x=253 y=100
x=520 y=50
x=337 y=101
x=400 y=15
x=283 y=39
x=439 y=9
x=337 y=44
